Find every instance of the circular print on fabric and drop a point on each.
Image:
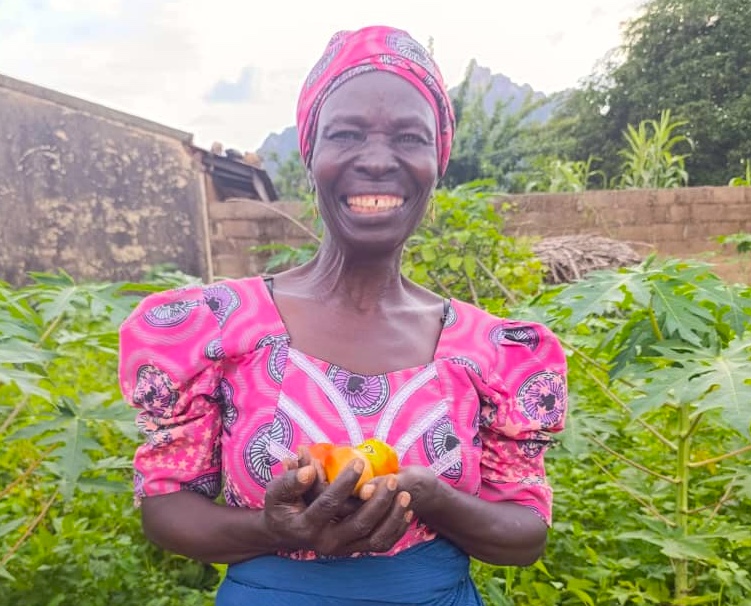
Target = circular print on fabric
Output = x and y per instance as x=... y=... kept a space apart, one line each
x=154 y=391
x=438 y=441
x=406 y=47
x=488 y=412
x=543 y=396
x=258 y=461
x=138 y=484
x=208 y=484
x=526 y=335
x=230 y=496
x=222 y=301
x=169 y=314
x=467 y=363
x=277 y=359
x=365 y=394
x=223 y=397
x=532 y=448
x=323 y=63
x=214 y=350
x=451 y=317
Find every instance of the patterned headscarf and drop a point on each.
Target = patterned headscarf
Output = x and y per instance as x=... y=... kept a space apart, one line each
x=350 y=53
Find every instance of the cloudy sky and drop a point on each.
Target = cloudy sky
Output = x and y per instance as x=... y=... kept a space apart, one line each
x=229 y=70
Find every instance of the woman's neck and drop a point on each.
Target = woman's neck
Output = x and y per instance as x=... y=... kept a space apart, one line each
x=365 y=283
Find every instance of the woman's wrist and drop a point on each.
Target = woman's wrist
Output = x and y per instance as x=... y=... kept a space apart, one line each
x=425 y=489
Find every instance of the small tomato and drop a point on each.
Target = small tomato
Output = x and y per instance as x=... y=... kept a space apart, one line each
x=382 y=457
x=339 y=457
x=320 y=451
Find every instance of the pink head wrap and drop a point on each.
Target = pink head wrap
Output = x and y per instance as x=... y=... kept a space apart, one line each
x=350 y=53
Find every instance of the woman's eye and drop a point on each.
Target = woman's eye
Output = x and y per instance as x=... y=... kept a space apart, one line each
x=346 y=135
x=412 y=138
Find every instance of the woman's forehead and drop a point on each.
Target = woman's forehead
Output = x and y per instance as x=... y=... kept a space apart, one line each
x=381 y=92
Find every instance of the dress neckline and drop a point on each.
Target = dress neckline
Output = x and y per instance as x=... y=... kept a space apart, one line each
x=267 y=283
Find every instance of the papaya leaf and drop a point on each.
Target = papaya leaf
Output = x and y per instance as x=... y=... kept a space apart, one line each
x=694 y=548
x=679 y=315
x=600 y=293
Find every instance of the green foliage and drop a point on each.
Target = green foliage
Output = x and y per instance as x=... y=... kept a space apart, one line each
x=495 y=145
x=649 y=161
x=741 y=241
x=691 y=56
x=745 y=180
x=652 y=480
x=460 y=251
x=291 y=180
x=556 y=175
x=68 y=531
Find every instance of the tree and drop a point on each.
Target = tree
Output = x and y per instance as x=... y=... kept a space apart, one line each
x=692 y=57
x=495 y=145
x=291 y=179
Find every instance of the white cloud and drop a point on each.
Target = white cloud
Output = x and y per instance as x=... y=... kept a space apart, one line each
x=159 y=58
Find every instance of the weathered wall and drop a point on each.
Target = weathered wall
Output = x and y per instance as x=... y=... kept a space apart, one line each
x=102 y=195
x=678 y=222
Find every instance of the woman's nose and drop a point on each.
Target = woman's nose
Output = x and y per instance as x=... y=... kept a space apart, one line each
x=376 y=160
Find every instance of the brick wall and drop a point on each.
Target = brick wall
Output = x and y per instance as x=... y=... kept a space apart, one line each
x=677 y=222
x=237 y=225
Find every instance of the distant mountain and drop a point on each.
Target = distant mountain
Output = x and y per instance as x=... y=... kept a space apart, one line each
x=279 y=146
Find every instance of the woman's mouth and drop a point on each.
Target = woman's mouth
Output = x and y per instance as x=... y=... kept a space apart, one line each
x=371 y=204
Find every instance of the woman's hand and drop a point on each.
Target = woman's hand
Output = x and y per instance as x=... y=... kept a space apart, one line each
x=375 y=526
x=421 y=483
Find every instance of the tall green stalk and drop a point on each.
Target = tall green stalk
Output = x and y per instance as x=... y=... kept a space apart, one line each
x=682 y=588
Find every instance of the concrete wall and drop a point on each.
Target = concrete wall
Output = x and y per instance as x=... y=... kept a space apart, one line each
x=100 y=194
x=677 y=222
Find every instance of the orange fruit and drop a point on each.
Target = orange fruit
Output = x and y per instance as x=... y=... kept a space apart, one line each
x=382 y=457
x=339 y=457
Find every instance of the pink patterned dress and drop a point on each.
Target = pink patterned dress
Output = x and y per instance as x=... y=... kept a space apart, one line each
x=223 y=398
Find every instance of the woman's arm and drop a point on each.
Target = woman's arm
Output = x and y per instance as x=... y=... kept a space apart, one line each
x=190 y=524
x=500 y=533
x=194 y=526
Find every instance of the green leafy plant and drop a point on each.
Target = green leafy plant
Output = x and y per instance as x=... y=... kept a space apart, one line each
x=558 y=175
x=460 y=251
x=675 y=358
x=68 y=530
x=649 y=160
x=745 y=180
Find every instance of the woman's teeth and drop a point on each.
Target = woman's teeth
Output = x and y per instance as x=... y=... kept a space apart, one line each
x=373 y=204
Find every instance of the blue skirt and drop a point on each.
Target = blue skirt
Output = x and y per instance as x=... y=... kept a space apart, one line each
x=435 y=573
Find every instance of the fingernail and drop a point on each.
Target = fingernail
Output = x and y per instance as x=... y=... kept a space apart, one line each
x=391 y=483
x=408 y=516
x=404 y=499
x=305 y=474
x=359 y=465
x=367 y=491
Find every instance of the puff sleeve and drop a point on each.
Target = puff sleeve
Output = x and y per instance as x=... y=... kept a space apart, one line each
x=523 y=402
x=170 y=347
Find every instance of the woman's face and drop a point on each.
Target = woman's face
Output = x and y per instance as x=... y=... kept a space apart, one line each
x=374 y=162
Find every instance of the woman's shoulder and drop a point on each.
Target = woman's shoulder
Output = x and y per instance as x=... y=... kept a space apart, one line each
x=492 y=337
x=220 y=309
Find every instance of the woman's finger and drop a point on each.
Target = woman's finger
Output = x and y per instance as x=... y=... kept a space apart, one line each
x=327 y=505
x=290 y=486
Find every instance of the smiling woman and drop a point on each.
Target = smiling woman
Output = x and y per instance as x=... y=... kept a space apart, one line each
x=346 y=351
